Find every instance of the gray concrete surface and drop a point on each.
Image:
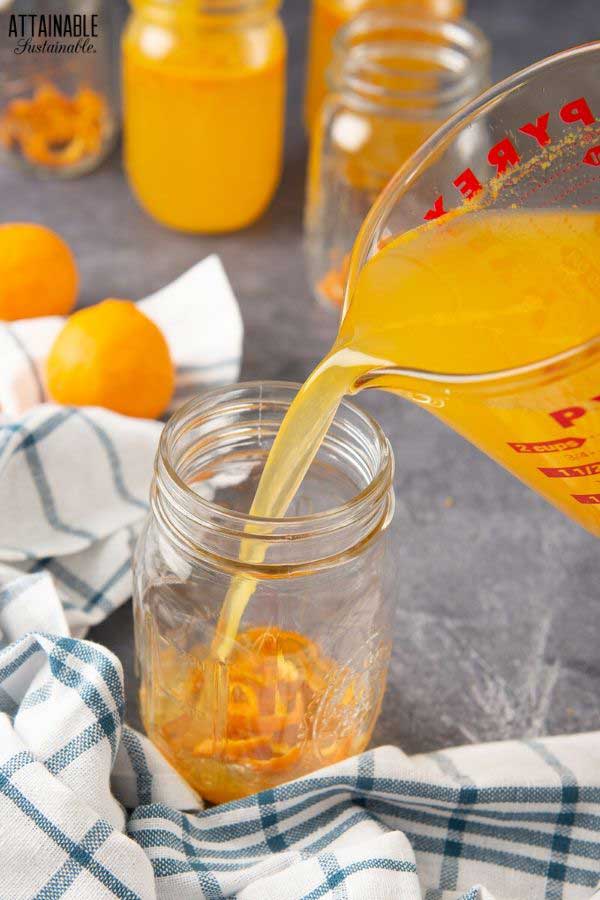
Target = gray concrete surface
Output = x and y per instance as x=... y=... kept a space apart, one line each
x=498 y=608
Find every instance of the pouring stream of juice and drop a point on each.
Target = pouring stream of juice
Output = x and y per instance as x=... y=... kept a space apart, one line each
x=463 y=295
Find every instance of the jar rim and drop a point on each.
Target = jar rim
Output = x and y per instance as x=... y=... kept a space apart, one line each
x=214 y=8
x=236 y=523
x=354 y=70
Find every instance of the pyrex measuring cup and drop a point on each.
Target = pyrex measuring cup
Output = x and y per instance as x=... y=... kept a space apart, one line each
x=531 y=143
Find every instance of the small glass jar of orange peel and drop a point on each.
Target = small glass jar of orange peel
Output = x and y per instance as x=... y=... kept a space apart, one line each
x=262 y=644
x=58 y=97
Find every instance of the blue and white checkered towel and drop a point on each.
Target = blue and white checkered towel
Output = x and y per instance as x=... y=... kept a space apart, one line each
x=73 y=494
x=507 y=821
x=88 y=807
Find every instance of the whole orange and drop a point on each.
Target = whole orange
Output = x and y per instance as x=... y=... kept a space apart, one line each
x=111 y=355
x=38 y=273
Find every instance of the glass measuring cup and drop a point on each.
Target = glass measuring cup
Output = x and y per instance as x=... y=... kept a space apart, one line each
x=530 y=145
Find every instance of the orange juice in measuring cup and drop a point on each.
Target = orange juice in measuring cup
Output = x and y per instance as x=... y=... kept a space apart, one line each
x=486 y=295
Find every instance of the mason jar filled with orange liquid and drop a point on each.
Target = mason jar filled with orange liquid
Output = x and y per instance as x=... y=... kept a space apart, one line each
x=204 y=97
x=262 y=644
x=328 y=16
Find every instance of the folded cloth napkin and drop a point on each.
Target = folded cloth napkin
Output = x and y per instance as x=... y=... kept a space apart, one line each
x=198 y=315
x=506 y=821
x=74 y=482
x=61 y=737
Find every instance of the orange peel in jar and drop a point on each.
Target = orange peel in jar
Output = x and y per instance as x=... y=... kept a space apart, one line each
x=289 y=710
x=54 y=130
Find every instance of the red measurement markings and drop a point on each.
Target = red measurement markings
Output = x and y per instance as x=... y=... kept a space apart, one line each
x=592 y=157
x=505 y=154
x=587 y=498
x=555 y=446
x=573 y=471
x=573 y=188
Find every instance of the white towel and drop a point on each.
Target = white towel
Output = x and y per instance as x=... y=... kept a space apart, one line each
x=73 y=493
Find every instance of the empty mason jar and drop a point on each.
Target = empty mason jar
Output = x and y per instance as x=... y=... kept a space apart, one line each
x=393 y=81
x=302 y=686
x=326 y=19
x=58 y=84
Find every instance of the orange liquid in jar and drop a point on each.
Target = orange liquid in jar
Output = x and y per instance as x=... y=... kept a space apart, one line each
x=203 y=123
x=328 y=16
x=280 y=709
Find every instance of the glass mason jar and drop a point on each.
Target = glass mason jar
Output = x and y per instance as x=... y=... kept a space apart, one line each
x=204 y=97
x=58 y=85
x=393 y=81
x=302 y=685
x=328 y=16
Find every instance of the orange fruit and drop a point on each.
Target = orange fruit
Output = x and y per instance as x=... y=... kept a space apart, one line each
x=38 y=273
x=111 y=355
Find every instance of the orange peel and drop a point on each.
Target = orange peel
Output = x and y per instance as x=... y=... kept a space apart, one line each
x=277 y=683
x=53 y=130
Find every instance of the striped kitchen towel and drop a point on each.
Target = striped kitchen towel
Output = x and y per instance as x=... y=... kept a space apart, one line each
x=68 y=767
x=198 y=315
x=517 y=820
x=74 y=487
x=506 y=821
